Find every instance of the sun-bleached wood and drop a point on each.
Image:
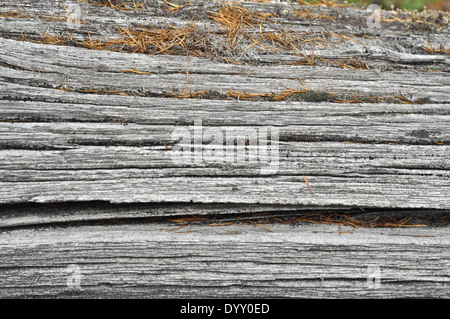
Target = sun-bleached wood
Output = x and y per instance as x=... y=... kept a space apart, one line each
x=88 y=175
x=153 y=261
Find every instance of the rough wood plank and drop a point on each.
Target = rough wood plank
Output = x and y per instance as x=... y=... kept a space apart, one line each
x=398 y=40
x=87 y=159
x=67 y=145
x=107 y=157
x=369 y=181
x=150 y=261
x=79 y=68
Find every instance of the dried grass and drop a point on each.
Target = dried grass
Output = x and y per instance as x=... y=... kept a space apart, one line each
x=172 y=7
x=446 y=222
x=189 y=40
x=52 y=39
x=117 y=5
x=430 y=18
x=345 y=220
x=170 y=40
x=238 y=25
x=401 y=99
x=235 y=19
x=441 y=49
x=350 y=63
x=306 y=13
x=322 y=3
x=242 y=30
x=12 y=14
x=284 y=95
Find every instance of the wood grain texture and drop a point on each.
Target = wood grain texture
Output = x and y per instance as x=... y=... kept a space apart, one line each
x=371 y=155
x=89 y=163
x=150 y=261
x=80 y=68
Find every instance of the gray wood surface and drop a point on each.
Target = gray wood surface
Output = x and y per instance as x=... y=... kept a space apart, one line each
x=153 y=261
x=90 y=178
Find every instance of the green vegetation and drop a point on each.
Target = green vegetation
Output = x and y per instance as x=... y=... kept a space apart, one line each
x=402 y=4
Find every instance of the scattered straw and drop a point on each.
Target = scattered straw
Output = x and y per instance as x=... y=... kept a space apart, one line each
x=307 y=183
x=234 y=19
x=173 y=230
x=187 y=219
x=187 y=76
x=429 y=18
x=400 y=98
x=447 y=218
x=118 y=5
x=172 y=7
x=306 y=13
x=264 y=226
x=441 y=49
x=346 y=220
x=133 y=70
x=222 y=224
x=12 y=14
x=53 y=39
x=322 y=3
x=285 y=94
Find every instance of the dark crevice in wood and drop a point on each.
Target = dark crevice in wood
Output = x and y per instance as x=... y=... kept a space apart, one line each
x=432 y=217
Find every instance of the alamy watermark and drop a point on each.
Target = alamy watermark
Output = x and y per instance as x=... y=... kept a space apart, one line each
x=373 y=277
x=374 y=19
x=74 y=278
x=240 y=146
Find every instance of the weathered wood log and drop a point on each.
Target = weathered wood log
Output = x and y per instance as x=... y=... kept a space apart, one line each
x=151 y=261
x=94 y=114
x=98 y=70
